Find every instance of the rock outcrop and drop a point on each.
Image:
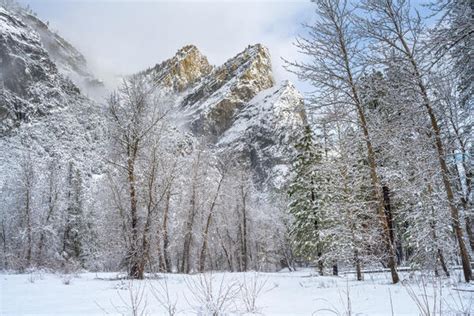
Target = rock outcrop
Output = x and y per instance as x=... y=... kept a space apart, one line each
x=237 y=107
x=43 y=115
x=182 y=71
x=214 y=102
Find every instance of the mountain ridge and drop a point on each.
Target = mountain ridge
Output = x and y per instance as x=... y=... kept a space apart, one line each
x=238 y=107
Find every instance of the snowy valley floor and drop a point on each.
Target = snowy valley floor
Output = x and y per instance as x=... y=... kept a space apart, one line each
x=283 y=293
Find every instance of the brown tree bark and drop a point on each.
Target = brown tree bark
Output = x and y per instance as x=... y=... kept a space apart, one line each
x=52 y=197
x=29 y=233
x=188 y=234
x=166 y=256
x=202 y=257
x=135 y=270
x=243 y=248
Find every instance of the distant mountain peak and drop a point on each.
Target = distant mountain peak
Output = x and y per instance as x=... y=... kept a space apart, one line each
x=237 y=106
x=181 y=71
x=213 y=102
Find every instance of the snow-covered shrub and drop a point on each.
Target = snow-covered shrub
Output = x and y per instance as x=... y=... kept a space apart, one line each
x=426 y=294
x=136 y=302
x=162 y=294
x=212 y=297
x=251 y=290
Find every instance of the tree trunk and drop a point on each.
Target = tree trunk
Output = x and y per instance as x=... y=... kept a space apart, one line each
x=320 y=264
x=466 y=264
x=392 y=263
x=376 y=187
x=51 y=201
x=185 y=264
x=29 y=238
x=358 y=265
x=439 y=252
x=202 y=257
x=443 y=262
x=166 y=259
x=135 y=271
x=244 y=230
x=227 y=255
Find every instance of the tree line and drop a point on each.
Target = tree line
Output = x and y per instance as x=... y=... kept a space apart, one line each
x=385 y=173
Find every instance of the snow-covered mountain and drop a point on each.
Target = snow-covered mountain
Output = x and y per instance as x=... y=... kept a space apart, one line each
x=31 y=85
x=43 y=115
x=236 y=108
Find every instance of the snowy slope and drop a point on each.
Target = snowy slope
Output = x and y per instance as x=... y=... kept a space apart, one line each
x=70 y=62
x=265 y=130
x=44 y=117
x=30 y=83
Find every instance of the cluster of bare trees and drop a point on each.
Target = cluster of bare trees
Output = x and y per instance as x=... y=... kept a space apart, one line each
x=180 y=205
x=388 y=111
x=46 y=218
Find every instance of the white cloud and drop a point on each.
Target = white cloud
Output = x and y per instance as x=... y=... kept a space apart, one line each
x=128 y=36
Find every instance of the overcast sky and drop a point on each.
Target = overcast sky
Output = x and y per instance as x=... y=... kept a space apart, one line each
x=120 y=37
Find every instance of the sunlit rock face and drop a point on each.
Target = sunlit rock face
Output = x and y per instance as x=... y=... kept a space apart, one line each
x=215 y=101
x=181 y=71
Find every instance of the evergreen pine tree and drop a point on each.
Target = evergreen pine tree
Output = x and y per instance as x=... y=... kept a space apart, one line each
x=307 y=201
x=75 y=226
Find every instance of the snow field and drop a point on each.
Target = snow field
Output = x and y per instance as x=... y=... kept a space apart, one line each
x=250 y=293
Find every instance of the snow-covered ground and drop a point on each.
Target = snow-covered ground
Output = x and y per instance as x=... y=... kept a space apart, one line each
x=283 y=293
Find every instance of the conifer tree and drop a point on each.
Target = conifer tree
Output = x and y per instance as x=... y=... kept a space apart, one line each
x=307 y=201
x=74 y=229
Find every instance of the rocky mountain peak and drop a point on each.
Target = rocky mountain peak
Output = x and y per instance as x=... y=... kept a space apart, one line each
x=213 y=102
x=183 y=70
x=257 y=67
x=237 y=107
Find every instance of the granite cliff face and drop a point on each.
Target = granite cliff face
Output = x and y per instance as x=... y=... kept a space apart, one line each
x=183 y=70
x=237 y=107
